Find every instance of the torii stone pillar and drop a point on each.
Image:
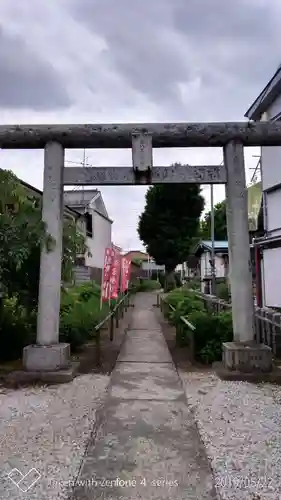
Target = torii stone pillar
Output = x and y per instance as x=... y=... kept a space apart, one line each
x=243 y=353
x=48 y=355
x=238 y=243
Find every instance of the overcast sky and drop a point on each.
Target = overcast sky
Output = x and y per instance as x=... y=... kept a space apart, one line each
x=79 y=61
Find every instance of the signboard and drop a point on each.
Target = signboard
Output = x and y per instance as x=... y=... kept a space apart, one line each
x=142 y=152
x=107 y=272
x=125 y=274
x=254 y=205
x=115 y=276
x=125 y=176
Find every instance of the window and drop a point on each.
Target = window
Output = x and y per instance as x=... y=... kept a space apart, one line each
x=89 y=224
x=10 y=207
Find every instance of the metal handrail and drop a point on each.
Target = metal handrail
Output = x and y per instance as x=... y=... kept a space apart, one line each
x=184 y=322
x=190 y=325
x=183 y=319
x=115 y=313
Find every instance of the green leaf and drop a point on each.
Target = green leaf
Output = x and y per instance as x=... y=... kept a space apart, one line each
x=22 y=234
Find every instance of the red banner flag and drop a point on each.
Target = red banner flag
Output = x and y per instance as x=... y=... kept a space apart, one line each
x=126 y=271
x=107 y=273
x=115 y=276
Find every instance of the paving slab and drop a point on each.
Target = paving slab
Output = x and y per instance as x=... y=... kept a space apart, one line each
x=148 y=445
x=156 y=381
x=149 y=348
x=144 y=319
x=146 y=450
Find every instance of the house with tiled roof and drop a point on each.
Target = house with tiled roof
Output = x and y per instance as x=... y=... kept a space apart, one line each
x=203 y=252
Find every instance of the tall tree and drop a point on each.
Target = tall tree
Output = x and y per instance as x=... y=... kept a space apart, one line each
x=220 y=223
x=170 y=221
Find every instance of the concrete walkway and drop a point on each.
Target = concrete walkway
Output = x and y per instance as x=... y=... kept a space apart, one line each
x=147 y=445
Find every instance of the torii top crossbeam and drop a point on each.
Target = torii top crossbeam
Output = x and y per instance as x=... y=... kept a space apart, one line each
x=164 y=135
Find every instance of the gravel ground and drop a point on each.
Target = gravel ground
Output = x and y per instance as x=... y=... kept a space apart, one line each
x=47 y=428
x=240 y=425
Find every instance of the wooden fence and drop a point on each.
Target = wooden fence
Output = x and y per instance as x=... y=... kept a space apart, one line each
x=267 y=321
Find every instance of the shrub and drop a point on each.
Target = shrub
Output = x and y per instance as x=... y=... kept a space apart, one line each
x=77 y=324
x=186 y=306
x=80 y=313
x=88 y=290
x=177 y=295
x=183 y=301
x=221 y=332
x=223 y=292
x=147 y=285
x=211 y=329
x=193 y=284
x=17 y=328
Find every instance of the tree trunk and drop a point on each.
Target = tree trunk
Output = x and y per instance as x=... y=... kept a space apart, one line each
x=170 y=282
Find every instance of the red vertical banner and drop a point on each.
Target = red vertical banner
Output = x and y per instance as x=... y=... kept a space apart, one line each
x=128 y=274
x=125 y=273
x=107 y=273
x=115 y=276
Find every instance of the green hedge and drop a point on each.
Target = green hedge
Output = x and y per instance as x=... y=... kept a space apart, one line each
x=211 y=329
x=223 y=291
x=79 y=314
x=17 y=329
x=193 y=283
x=146 y=285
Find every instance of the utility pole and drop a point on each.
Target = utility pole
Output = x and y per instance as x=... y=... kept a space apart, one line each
x=213 y=265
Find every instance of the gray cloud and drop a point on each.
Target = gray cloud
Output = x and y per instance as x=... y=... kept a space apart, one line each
x=234 y=35
x=223 y=47
x=138 y=46
x=25 y=80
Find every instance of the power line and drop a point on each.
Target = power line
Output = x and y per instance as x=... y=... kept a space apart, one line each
x=83 y=163
x=257 y=169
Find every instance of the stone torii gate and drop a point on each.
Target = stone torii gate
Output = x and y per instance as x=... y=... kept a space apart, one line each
x=49 y=356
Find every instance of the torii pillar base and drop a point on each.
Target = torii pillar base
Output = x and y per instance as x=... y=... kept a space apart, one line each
x=46 y=364
x=248 y=362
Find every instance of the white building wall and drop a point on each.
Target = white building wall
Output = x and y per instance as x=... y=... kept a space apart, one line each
x=274 y=108
x=220 y=266
x=270 y=177
x=102 y=229
x=206 y=270
x=205 y=266
x=271 y=166
x=87 y=200
x=272 y=277
x=180 y=269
